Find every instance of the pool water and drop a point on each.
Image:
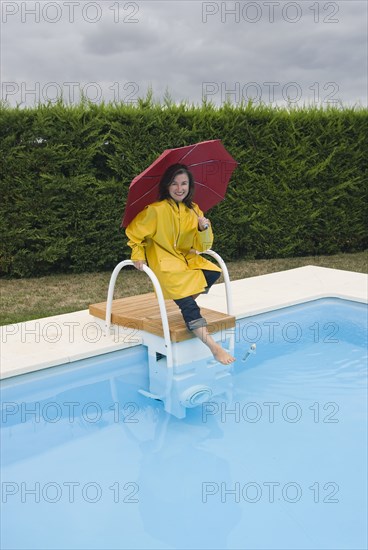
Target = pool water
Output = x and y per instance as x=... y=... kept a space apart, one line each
x=89 y=463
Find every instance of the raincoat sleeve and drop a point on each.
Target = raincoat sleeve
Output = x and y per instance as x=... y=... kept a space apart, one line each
x=139 y=230
x=203 y=239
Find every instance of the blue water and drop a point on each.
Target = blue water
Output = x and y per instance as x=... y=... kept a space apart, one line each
x=89 y=463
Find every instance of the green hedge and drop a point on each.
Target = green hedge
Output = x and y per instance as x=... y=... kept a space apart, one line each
x=300 y=189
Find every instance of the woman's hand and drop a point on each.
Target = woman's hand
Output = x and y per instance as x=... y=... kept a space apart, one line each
x=203 y=223
x=138 y=264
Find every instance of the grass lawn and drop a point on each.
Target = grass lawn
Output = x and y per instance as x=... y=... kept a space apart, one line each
x=26 y=299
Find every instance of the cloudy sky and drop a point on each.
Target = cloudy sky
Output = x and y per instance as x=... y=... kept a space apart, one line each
x=274 y=51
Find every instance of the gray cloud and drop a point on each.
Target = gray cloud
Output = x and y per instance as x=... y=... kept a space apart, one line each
x=183 y=45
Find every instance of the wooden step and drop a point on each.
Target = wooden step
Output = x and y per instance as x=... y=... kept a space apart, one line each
x=143 y=313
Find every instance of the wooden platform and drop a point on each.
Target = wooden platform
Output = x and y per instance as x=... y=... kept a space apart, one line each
x=143 y=312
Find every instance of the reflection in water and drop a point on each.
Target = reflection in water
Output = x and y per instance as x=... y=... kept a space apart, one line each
x=173 y=502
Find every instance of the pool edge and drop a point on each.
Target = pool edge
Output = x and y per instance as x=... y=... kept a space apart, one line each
x=64 y=339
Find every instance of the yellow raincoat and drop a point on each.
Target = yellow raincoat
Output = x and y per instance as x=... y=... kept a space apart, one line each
x=164 y=234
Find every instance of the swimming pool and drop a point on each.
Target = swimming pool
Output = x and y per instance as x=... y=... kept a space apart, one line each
x=87 y=462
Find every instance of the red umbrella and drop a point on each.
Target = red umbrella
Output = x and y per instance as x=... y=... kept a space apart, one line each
x=210 y=164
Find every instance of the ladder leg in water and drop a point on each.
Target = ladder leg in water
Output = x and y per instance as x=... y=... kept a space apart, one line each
x=195 y=378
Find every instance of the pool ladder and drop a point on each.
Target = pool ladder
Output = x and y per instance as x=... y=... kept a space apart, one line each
x=174 y=378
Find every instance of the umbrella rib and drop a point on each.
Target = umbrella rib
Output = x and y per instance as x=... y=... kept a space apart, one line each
x=189 y=152
x=209 y=161
x=142 y=196
x=204 y=162
x=209 y=188
x=150 y=177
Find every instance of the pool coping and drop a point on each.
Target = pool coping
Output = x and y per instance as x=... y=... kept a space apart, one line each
x=63 y=339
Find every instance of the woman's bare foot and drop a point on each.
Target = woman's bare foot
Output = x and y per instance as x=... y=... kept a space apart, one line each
x=219 y=353
x=222 y=356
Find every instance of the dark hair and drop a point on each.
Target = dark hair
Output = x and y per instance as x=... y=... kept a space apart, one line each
x=169 y=176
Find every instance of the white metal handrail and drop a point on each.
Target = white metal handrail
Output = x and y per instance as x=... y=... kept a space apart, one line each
x=160 y=298
x=161 y=303
x=220 y=261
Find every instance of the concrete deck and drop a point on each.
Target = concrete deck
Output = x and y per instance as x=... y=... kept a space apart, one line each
x=62 y=339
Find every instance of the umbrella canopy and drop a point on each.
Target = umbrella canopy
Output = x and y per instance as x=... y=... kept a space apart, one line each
x=210 y=164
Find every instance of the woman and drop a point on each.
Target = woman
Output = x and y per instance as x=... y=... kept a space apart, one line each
x=167 y=235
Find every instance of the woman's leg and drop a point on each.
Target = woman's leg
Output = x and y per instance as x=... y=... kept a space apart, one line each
x=211 y=277
x=191 y=312
x=196 y=323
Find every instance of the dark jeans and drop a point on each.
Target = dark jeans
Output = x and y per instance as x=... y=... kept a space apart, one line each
x=188 y=306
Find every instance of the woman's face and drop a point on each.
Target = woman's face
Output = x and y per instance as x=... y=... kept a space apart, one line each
x=179 y=187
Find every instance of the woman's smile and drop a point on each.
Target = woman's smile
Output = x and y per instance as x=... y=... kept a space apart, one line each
x=179 y=188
